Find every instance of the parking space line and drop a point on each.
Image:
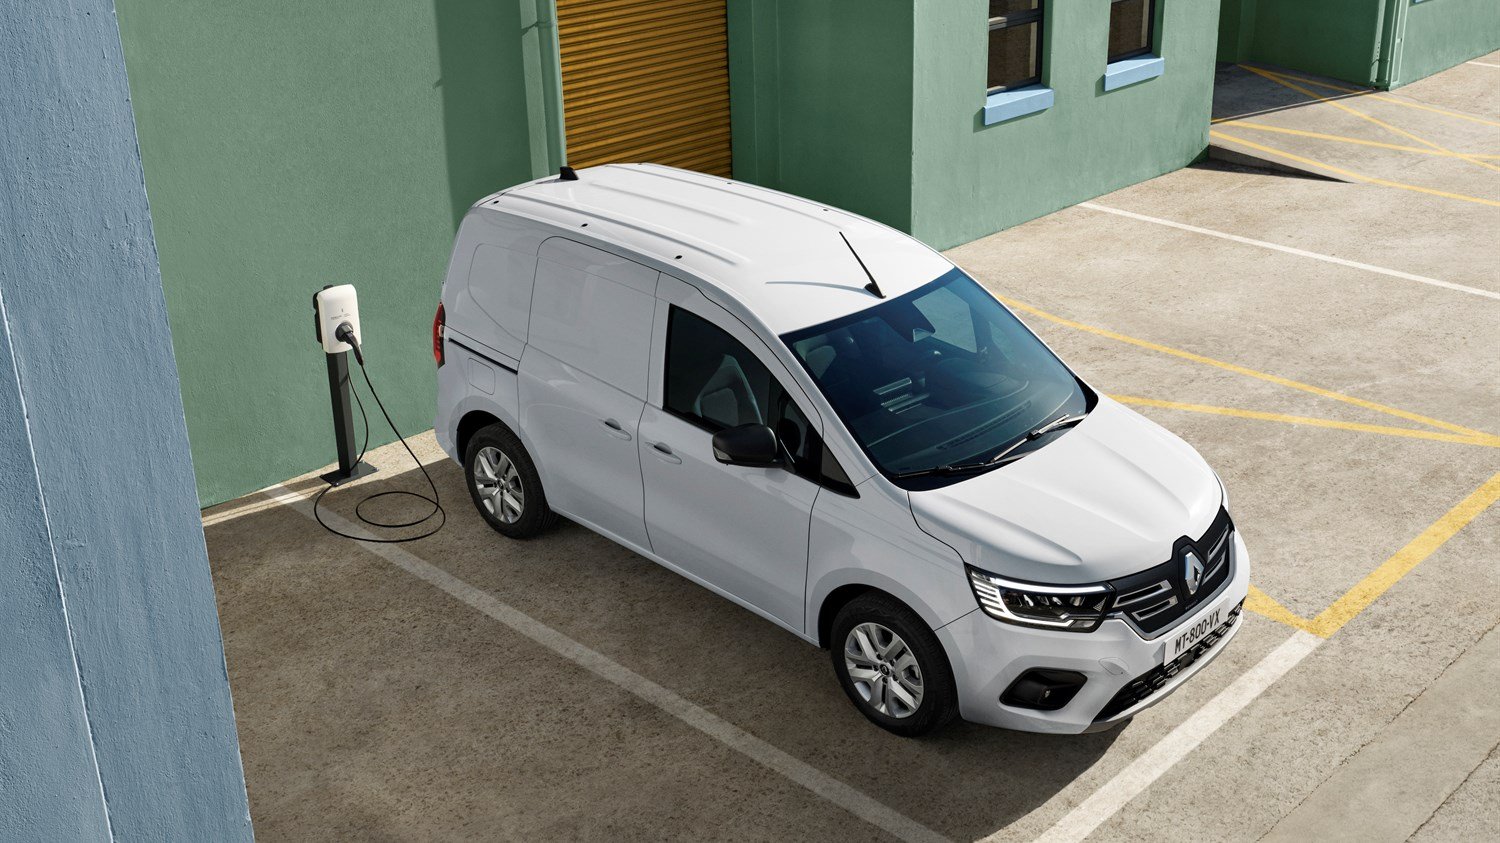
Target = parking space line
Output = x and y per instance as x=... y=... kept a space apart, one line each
x=1263 y=127
x=246 y=506
x=1390 y=572
x=1243 y=370
x=834 y=791
x=1266 y=606
x=1353 y=175
x=1292 y=250
x=1370 y=93
x=1458 y=438
x=1182 y=740
x=1287 y=83
x=1358 y=598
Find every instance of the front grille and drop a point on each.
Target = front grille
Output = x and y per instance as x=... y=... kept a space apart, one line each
x=1146 y=685
x=1155 y=598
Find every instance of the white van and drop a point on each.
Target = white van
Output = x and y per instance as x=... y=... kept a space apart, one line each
x=828 y=423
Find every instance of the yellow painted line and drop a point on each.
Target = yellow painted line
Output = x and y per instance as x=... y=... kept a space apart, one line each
x=1248 y=372
x=1262 y=127
x=1357 y=176
x=1263 y=604
x=1363 y=116
x=1374 y=95
x=1461 y=439
x=1399 y=565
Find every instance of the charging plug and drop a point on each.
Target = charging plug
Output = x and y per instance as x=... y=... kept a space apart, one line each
x=345 y=333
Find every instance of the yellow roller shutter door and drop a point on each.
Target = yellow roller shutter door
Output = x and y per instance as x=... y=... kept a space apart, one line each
x=646 y=80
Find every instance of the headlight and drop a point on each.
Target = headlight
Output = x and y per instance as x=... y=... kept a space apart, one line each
x=1072 y=608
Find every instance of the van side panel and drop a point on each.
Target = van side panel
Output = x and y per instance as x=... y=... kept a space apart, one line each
x=488 y=292
x=594 y=312
x=500 y=283
x=583 y=384
x=458 y=396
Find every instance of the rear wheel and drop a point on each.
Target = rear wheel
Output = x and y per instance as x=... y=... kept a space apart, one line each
x=504 y=483
x=892 y=666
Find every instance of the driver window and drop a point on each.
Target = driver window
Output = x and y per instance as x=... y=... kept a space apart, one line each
x=712 y=380
x=715 y=382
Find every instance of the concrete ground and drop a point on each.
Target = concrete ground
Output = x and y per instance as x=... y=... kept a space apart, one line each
x=1435 y=136
x=1329 y=347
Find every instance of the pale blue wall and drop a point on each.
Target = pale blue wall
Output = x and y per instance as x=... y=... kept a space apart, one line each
x=115 y=716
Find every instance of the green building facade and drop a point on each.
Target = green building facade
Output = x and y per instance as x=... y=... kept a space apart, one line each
x=879 y=106
x=1380 y=43
x=291 y=145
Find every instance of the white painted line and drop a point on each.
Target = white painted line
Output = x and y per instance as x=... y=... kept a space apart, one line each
x=854 y=801
x=249 y=507
x=1394 y=273
x=1483 y=64
x=1143 y=771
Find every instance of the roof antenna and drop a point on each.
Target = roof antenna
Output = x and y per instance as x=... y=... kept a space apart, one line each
x=567 y=174
x=872 y=286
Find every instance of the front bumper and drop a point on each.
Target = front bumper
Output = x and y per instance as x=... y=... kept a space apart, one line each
x=988 y=655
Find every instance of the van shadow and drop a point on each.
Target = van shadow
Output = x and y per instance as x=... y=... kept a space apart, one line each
x=491 y=128
x=965 y=782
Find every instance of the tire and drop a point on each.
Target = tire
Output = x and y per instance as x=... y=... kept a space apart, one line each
x=495 y=457
x=870 y=613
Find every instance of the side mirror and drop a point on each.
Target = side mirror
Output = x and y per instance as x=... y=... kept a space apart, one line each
x=748 y=444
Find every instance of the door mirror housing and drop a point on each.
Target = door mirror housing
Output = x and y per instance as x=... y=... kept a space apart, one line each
x=749 y=444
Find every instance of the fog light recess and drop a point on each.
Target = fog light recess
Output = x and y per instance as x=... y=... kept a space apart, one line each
x=1043 y=689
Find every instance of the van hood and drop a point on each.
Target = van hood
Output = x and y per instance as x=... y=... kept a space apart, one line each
x=1104 y=499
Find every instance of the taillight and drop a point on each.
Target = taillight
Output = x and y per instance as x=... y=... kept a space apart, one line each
x=438 y=321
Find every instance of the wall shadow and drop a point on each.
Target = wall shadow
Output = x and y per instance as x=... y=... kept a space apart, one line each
x=1238 y=93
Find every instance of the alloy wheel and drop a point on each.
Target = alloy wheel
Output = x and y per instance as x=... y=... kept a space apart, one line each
x=883 y=669
x=499 y=485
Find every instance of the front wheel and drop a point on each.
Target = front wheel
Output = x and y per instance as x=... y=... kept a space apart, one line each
x=892 y=666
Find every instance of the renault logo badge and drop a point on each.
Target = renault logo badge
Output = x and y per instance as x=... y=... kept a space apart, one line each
x=1192 y=571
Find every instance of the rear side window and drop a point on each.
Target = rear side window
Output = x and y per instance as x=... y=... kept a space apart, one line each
x=715 y=382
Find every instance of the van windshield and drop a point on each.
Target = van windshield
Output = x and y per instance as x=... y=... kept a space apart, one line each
x=943 y=376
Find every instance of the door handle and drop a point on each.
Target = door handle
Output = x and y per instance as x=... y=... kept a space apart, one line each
x=663 y=451
x=615 y=429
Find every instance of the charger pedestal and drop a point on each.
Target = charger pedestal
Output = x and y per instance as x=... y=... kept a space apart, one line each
x=343 y=422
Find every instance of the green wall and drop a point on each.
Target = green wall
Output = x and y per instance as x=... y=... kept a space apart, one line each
x=876 y=107
x=821 y=95
x=1338 y=38
x=970 y=179
x=1346 y=39
x=1442 y=33
x=288 y=145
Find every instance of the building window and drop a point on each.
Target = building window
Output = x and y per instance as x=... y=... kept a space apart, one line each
x=1130 y=28
x=1015 y=44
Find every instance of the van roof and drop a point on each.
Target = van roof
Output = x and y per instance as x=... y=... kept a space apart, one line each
x=778 y=255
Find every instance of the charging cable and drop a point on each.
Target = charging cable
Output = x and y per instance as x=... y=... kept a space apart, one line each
x=345 y=333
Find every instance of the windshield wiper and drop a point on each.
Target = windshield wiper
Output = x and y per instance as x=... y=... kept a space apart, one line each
x=1035 y=433
x=1056 y=424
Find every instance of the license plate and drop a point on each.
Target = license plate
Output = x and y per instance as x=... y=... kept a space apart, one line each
x=1190 y=633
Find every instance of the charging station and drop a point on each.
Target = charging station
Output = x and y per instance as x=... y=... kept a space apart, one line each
x=336 y=313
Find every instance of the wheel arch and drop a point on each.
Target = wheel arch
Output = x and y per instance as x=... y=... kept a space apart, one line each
x=472 y=422
x=836 y=600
